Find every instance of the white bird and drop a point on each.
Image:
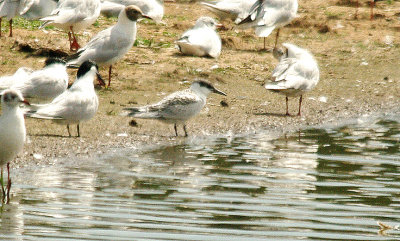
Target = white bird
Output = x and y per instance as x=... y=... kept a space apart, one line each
x=236 y=10
x=13 y=8
x=12 y=132
x=111 y=44
x=45 y=84
x=266 y=15
x=40 y=9
x=77 y=104
x=202 y=39
x=296 y=73
x=151 y=8
x=21 y=74
x=72 y=16
x=177 y=107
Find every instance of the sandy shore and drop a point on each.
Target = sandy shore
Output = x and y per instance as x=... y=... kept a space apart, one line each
x=359 y=62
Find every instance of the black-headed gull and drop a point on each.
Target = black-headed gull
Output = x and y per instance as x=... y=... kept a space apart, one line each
x=111 y=44
x=152 y=8
x=12 y=132
x=202 y=39
x=177 y=107
x=296 y=73
x=72 y=16
x=45 y=84
x=266 y=15
x=77 y=104
x=236 y=10
x=13 y=8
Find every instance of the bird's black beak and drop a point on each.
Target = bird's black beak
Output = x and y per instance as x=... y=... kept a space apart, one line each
x=100 y=79
x=219 y=92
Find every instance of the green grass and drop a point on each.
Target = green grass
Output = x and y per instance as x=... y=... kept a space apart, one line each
x=25 y=24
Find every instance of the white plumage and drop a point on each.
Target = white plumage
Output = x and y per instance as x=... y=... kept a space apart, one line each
x=12 y=130
x=201 y=40
x=111 y=44
x=13 y=8
x=236 y=10
x=73 y=16
x=266 y=15
x=177 y=107
x=151 y=8
x=45 y=84
x=77 y=104
x=296 y=73
x=40 y=9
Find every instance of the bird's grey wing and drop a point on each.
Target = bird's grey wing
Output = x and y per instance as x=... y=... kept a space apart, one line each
x=178 y=105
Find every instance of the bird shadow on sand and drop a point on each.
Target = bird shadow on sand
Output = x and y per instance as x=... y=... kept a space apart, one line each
x=52 y=135
x=273 y=114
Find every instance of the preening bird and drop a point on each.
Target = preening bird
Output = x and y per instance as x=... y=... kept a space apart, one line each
x=296 y=73
x=12 y=132
x=111 y=44
x=202 y=39
x=72 y=16
x=177 y=108
x=266 y=15
x=77 y=104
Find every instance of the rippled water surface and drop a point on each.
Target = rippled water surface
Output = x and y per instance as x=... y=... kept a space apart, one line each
x=318 y=184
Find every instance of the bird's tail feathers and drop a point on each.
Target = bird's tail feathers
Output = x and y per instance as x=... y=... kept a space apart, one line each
x=140 y=112
x=214 y=9
x=31 y=111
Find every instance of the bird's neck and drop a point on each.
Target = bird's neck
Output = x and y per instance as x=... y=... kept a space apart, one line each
x=126 y=25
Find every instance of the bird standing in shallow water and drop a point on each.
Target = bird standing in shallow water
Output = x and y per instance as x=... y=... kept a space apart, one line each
x=178 y=107
x=296 y=73
x=266 y=15
x=12 y=133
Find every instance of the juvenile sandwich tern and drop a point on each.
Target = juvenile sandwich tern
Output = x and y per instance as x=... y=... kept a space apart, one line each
x=72 y=16
x=202 y=39
x=12 y=132
x=178 y=107
x=111 y=44
x=45 y=84
x=77 y=104
x=296 y=73
x=266 y=15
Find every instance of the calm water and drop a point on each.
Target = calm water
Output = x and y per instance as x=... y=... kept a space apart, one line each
x=330 y=183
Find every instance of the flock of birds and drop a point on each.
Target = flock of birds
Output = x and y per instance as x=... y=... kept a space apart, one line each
x=296 y=73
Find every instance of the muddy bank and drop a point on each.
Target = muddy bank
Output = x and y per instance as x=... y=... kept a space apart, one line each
x=358 y=60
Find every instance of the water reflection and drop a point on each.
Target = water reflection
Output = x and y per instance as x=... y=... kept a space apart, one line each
x=320 y=183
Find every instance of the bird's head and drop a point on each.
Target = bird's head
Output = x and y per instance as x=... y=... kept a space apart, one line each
x=90 y=66
x=12 y=98
x=134 y=13
x=205 y=87
x=51 y=60
x=207 y=21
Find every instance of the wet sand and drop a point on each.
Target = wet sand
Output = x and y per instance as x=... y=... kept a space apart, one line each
x=358 y=61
